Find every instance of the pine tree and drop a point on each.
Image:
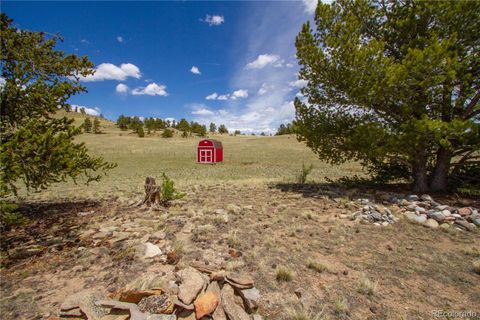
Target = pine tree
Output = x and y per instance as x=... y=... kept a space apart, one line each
x=140 y=132
x=222 y=129
x=87 y=125
x=213 y=127
x=394 y=85
x=38 y=148
x=96 y=126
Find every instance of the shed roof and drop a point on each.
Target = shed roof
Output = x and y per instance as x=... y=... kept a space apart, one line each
x=215 y=143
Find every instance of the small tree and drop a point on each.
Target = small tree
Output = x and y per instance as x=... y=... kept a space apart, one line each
x=87 y=125
x=167 y=133
x=140 y=132
x=122 y=122
x=213 y=127
x=96 y=126
x=237 y=132
x=222 y=129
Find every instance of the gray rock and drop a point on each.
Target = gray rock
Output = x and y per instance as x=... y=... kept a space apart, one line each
x=250 y=298
x=412 y=197
x=438 y=216
x=476 y=220
x=426 y=197
x=192 y=284
x=161 y=317
x=233 y=311
x=420 y=209
x=465 y=225
x=159 y=235
x=441 y=207
x=446 y=212
x=431 y=223
x=151 y=250
x=375 y=215
x=411 y=216
x=421 y=218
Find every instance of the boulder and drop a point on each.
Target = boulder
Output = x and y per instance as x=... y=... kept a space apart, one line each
x=151 y=250
x=250 y=298
x=191 y=284
x=85 y=301
x=464 y=211
x=431 y=223
x=205 y=304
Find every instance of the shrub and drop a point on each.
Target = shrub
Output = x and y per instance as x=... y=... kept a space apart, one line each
x=167 y=133
x=284 y=274
x=141 y=132
x=302 y=177
x=316 y=266
x=366 y=286
x=9 y=216
x=168 y=191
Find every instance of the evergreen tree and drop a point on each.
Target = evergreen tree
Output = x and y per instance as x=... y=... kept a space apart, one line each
x=87 y=125
x=167 y=133
x=222 y=129
x=123 y=122
x=96 y=126
x=237 y=132
x=140 y=132
x=38 y=148
x=213 y=127
x=183 y=125
x=394 y=85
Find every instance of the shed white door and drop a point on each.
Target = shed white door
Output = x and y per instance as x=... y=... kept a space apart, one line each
x=205 y=156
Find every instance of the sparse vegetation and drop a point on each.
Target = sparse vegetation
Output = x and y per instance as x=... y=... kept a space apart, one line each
x=341 y=306
x=306 y=170
x=283 y=274
x=168 y=191
x=367 y=286
x=317 y=266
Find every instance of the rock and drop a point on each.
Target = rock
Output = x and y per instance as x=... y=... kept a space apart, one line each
x=464 y=211
x=420 y=209
x=206 y=304
x=239 y=281
x=135 y=313
x=115 y=317
x=412 y=197
x=466 y=225
x=134 y=296
x=85 y=301
x=151 y=250
x=156 y=304
x=25 y=252
x=233 y=311
x=250 y=298
x=411 y=216
x=119 y=236
x=257 y=317
x=375 y=215
x=476 y=220
x=108 y=229
x=159 y=235
x=192 y=283
x=431 y=223
x=160 y=317
x=147 y=281
x=220 y=211
x=232 y=208
x=441 y=207
x=445 y=225
x=186 y=315
x=75 y=312
x=426 y=197
x=421 y=218
x=446 y=212
x=436 y=215
x=99 y=235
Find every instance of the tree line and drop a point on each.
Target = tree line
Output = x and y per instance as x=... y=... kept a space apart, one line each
x=151 y=124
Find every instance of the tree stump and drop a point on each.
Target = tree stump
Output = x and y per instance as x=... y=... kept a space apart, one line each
x=152 y=192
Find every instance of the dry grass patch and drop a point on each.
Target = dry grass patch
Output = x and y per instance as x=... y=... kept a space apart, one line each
x=367 y=286
x=302 y=314
x=341 y=307
x=284 y=274
x=476 y=267
x=317 y=266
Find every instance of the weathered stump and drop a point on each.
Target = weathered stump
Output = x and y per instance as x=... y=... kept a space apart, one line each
x=152 y=192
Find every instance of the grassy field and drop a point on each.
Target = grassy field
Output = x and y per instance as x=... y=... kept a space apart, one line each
x=247 y=159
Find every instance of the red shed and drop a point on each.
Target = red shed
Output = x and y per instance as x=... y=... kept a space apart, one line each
x=209 y=151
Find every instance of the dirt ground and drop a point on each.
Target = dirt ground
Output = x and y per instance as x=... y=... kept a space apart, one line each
x=333 y=268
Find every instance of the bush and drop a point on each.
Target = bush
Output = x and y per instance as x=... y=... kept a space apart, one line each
x=9 y=216
x=302 y=177
x=168 y=191
x=284 y=274
x=140 y=132
x=167 y=133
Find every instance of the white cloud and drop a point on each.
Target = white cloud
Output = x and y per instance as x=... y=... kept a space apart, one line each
x=120 y=39
x=310 y=6
x=298 y=83
x=152 y=89
x=95 y=111
x=109 y=71
x=264 y=60
x=238 y=94
x=212 y=96
x=214 y=20
x=223 y=97
x=195 y=70
x=201 y=110
x=169 y=119
x=264 y=89
x=121 y=88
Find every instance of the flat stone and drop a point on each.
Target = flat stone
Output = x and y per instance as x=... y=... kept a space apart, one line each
x=250 y=298
x=442 y=207
x=466 y=225
x=161 y=317
x=156 y=304
x=75 y=312
x=446 y=212
x=85 y=300
x=426 y=197
x=151 y=250
x=411 y=216
x=206 y=304
x=192 y=283
x=159 y=235
x=135 y=296
x=412 y=197
x=241 y=279
x=233 y=311
x=108 y=229
x=431 y=223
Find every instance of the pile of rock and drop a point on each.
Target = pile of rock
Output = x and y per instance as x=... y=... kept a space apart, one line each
x=424 y=210
x=374 y=213
x=196 y=292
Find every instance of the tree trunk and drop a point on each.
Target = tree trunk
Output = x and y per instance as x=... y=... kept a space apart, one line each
x=420 y=180
x=439 y=181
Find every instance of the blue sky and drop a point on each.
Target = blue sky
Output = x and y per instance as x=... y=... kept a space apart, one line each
x=226 y=62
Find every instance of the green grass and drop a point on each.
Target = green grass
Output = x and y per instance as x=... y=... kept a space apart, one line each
x=247 y=160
